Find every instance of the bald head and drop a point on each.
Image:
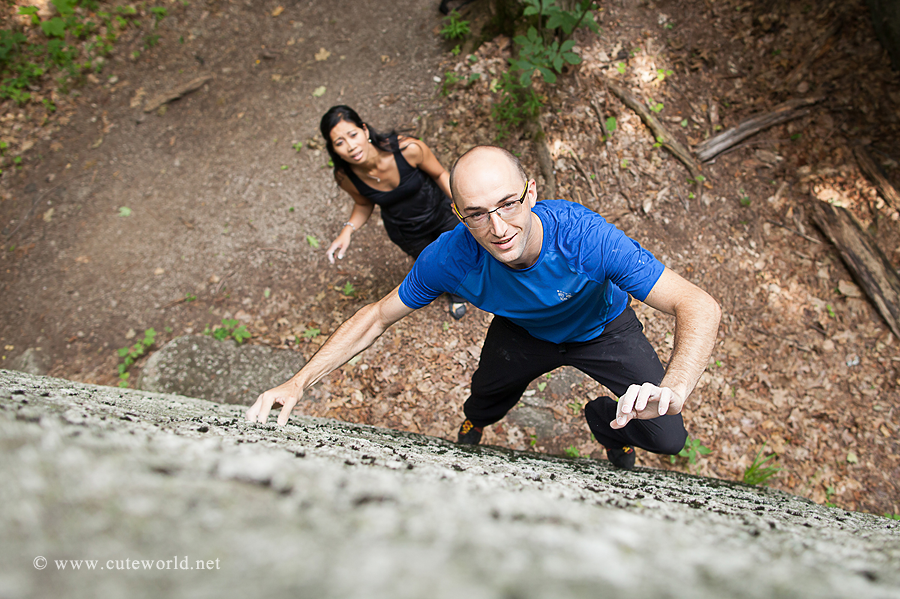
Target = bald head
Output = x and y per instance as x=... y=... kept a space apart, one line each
x=482 y=161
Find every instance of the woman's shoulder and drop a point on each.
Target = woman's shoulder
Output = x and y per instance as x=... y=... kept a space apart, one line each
x=345 y=182
x=413 y=149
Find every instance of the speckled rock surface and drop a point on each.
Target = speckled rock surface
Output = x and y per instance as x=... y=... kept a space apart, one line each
x=321 y=508
x=223 y=371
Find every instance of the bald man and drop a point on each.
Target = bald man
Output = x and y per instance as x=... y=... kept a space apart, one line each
x=557 y=277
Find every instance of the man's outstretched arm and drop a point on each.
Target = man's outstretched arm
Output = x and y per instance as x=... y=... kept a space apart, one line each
x=356 y=334
x=697 y=317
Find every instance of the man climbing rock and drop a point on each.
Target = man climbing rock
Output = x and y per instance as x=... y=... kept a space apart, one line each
x=557 y=277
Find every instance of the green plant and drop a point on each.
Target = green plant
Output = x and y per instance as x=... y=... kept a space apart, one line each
x=892 y=516
x=312 y=241
x=516 y=105
x=450 y=79
x=572 y=452
x=544 y=49
x=661 y=74
x=189 y=297
x=159 y=13
x=454 y=27
x=611 y=124
x=620 y=66
x=575 y=407
x=311 y=333
x=829 y=493
x=655 y=106
x=229 y=328
x=297 y=146
x=758 y=473
x=692 y=451
x=566 y=20
x=73 y=43
x=129 y=355
x=536 y=55
x=349 y=290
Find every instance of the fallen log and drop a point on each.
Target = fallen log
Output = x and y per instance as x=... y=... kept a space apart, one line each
x=787 y=111
x=866 y=262
x=545 y=160
x=611 y=165
x=584 y=173
x=660 y=133
x=175 y=93
x=871 y=170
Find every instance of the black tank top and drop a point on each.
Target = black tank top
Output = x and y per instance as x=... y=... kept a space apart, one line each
x=415 y=203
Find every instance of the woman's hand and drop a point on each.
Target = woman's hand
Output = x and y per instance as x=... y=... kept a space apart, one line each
x=339 y=245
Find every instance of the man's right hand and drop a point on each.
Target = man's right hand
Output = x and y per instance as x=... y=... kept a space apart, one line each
x=286 y=395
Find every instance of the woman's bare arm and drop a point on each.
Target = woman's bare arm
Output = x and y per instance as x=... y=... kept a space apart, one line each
x=420 y=156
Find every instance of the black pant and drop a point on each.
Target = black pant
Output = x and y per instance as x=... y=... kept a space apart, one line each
x=621 y=356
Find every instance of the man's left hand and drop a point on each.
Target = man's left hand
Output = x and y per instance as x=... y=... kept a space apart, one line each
x=644 y=402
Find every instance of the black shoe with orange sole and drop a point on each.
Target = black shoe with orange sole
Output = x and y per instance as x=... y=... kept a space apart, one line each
x=469 y=434
x=622 y=459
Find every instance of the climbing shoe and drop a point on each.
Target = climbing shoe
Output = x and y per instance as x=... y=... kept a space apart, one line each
x=457 y=310
x=469 y=434
x=620 y=458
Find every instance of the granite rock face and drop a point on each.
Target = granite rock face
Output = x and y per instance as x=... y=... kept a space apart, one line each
x=203 y=367
x=153 y=486
x=32 y=361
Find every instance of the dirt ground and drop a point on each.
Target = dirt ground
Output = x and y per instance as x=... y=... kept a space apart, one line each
x=222 y=206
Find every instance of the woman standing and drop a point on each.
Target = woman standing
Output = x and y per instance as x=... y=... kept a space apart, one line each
x=398 y=173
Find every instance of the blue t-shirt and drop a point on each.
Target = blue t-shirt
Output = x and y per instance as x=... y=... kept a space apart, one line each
x=577 y=285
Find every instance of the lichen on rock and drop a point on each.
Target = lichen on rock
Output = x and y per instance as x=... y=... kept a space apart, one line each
x=329 y=509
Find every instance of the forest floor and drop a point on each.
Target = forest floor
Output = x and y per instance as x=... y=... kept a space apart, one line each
x=223 y=215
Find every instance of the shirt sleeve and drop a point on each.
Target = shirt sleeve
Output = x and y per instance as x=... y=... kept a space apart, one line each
x=428 y=277
x=603 y=252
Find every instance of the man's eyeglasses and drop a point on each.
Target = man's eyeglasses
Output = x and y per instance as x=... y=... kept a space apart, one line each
x=506 y=210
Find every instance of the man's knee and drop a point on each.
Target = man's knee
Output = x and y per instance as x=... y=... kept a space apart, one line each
x=672 y=438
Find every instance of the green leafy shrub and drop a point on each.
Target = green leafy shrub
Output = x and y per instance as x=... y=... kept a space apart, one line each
x=454 y=27
x=230 y=328
x=544 y=49
x=691 y=451
x=77 y=37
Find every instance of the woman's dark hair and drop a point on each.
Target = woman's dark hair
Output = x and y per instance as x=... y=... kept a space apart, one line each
x=339 y=113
